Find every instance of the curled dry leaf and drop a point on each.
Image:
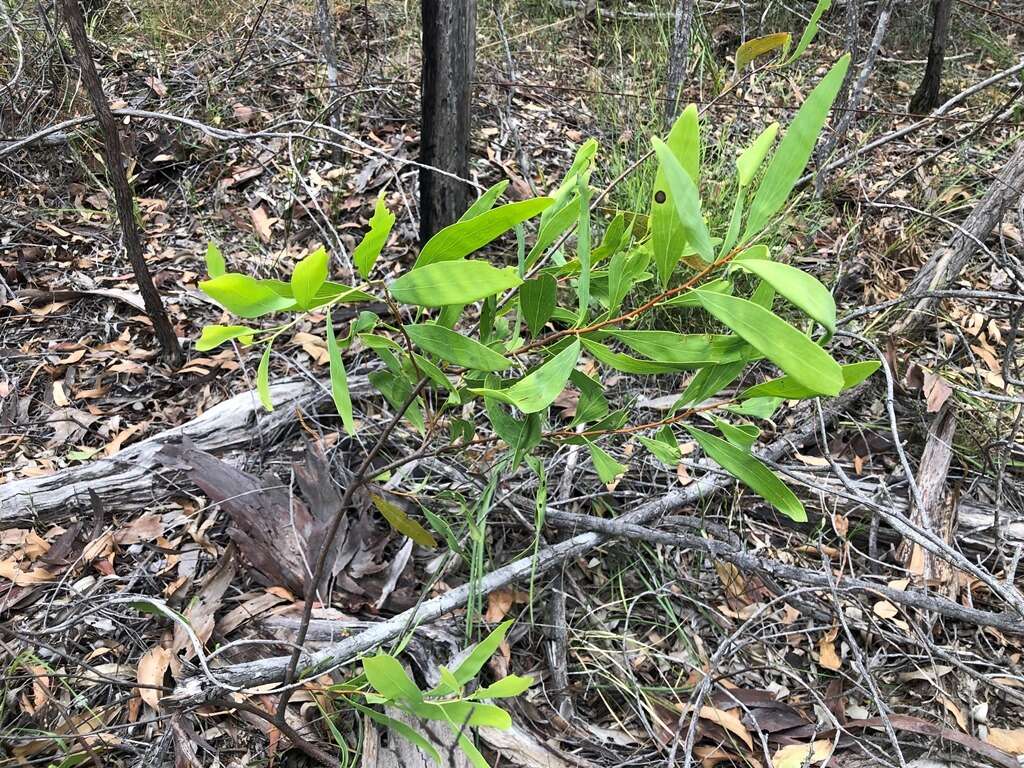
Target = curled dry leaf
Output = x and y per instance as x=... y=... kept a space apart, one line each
x=152 y=667
x=827 y=656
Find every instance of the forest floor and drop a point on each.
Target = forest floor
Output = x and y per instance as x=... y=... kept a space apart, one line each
x=787 y=674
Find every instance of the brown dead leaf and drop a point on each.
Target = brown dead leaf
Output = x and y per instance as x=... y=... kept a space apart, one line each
x=147 y=527
x=827 y=656
x=729 y=720
x=9 y=570
x=152 y=668
x=499 y=603
x=955 y=710
x=936 y=391
x=1007 y=739
x=261 y=223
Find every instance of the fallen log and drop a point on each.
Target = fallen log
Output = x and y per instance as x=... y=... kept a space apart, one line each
x=133 y=477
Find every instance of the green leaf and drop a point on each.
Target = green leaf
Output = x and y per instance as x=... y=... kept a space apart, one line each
x=709 y=381
x=511 y=685
x=520 y=435
x=810 y=30
x=592 y=404
x=689 y=298
x=794 y=150
x=746 y=468
x=777 y=340
x=339 y=381
x=788 y=388
x=485 y=202
x=456 y=348
x=402 y=523
x=308 y=276
x=801 y=289
x=627 y=364
x=452 y=282
x=759 y=46
x=215 y=266
x=462 y=713
x=215 y=335
x=664 y=446
x=667 y=236
x=244 y=296
x=750 y=160
x=551 y=228
x=691 y=349
x=537 y=301
x=366 y=253
x=684 y=196
x=742 y=436
x=756 y=407
x=464 y=237
x=607 y=468
x=263 y=378
x=389 y=678
x=468 y=747
x=537 y=390
x=395 y=387
x=398 y=727
x=583 y=247
x=480 y=654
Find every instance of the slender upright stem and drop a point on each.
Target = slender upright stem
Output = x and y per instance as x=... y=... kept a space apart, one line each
x=113 y=155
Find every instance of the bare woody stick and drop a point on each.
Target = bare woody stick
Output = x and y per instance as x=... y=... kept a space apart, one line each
x=113 y=154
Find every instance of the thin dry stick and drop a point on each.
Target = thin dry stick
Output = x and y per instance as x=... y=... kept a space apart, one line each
x=113 y=154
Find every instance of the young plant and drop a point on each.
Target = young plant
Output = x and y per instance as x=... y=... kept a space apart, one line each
x=449 y=702
x=507 y=340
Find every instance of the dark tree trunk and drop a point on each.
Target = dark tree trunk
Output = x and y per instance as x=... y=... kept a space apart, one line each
x=449 y=34
x=678 y=54
x=113 y=155
x=927 y=96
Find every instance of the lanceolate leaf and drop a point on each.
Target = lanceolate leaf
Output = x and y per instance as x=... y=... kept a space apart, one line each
x=244 y=296
x=537 y=301
x=510 y=685
x=463 y=713
x=759 y=46
x=749 y=161
x=389 y=678
x=398 y=727
x=683 y=194
x=369 y=248
x=777 y=340
x=709 y=381
x=787 y=388
x=810 y=30
x=751 y=472
x=485 y=202
x=583 y=246
x=215 y=335
x=464 y=237
x=339 y=380
x=537 y=390
x=627 y=364
x=263 y=378
x=794 y=150
x=308 y=276
x=795 y=285
x=402 y=523
x=607 y=467
x=686 y=349
x=452 y=282
x=215 y=266
x=456 y=348
x=483 y=651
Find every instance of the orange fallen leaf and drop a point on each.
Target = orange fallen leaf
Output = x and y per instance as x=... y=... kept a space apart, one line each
x=152 y=667
x=797 y=755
